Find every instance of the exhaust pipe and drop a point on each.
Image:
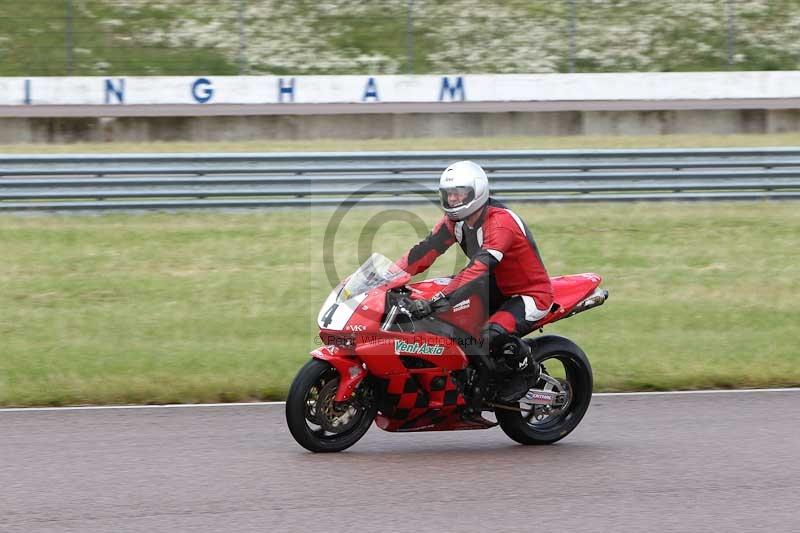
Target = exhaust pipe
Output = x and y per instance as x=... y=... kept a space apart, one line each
x=596 y=299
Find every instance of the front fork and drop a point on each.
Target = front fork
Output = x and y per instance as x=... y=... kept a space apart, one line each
x=351 y=371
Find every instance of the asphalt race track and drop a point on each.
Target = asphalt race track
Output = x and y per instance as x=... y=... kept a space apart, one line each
x=694 y=462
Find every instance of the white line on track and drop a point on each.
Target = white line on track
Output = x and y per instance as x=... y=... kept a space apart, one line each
x=262 y=404
x=674 y=392
x=110 y=407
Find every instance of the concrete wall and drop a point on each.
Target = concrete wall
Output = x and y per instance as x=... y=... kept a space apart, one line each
x=393 y=125
x=205 y=90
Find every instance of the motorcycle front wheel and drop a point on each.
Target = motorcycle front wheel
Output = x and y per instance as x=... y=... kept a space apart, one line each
x=565 y=371
x=316 y=421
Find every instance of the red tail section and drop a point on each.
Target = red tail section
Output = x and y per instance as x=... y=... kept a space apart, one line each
x=568 y=292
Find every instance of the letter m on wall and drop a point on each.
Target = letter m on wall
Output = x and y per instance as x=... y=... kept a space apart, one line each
x=454 y=89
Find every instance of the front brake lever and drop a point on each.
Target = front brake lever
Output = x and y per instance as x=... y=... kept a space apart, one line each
x=401 y=306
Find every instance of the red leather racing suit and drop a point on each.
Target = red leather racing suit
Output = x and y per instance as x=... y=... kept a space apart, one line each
x=504 y=266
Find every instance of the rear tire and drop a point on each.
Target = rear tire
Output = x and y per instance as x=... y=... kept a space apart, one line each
x=579 y=382
x=310 y=401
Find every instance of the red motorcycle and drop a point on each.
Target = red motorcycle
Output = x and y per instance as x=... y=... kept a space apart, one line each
x=378 y=363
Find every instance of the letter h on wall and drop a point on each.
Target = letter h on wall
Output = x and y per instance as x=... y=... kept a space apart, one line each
x=285 y=89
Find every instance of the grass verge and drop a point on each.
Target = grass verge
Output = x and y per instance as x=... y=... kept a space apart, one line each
x=196 y=307
x=453 y=143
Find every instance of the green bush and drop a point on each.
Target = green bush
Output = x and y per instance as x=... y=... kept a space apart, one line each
x=188 y=37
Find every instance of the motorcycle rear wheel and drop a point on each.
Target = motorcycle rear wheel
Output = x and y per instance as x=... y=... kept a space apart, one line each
x=318 y=423
x=526 y=428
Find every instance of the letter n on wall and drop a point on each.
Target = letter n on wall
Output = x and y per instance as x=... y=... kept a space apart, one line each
x=117 y=90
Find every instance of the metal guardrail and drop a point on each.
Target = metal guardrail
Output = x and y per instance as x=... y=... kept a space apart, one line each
x=172 y=181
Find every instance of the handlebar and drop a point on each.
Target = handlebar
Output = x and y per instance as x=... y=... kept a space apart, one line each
x=401 y=304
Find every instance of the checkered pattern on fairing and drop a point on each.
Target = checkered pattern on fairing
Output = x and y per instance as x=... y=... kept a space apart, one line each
x=406 y=397
x=443 y=391
x=420 y=399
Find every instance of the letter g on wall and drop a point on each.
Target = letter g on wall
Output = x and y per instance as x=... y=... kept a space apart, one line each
x=202 y=90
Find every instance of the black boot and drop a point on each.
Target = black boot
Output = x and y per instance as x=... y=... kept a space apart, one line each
x=473 y=411
x=525 y=371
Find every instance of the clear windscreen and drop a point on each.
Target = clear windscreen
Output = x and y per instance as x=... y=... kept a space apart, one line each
x=376 y=271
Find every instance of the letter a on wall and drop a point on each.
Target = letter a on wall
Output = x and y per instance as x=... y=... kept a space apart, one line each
x=371 y=91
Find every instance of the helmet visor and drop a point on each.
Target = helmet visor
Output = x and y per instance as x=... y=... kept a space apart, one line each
x=453 y=197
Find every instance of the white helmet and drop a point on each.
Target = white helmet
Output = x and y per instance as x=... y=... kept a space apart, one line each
x=464 y=188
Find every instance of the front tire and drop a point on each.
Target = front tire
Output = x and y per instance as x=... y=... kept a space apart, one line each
x=318 y=423
x=539 y=426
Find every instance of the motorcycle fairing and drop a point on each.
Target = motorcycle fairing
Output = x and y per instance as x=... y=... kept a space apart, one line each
x=568 y=292
x=351 y=370
x=425 y=401
x=383 y=354
x=335 y=315
x=362 y=313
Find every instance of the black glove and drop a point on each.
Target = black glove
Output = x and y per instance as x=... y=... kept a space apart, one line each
x=423 y=308
x=420 y=308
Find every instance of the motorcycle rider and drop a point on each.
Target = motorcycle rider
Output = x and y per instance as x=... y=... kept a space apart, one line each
x=504 y=267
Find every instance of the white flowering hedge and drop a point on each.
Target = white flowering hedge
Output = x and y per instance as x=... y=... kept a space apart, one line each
x=356 y=36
